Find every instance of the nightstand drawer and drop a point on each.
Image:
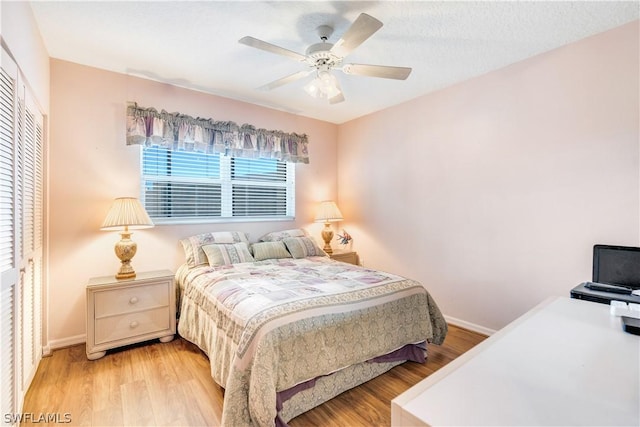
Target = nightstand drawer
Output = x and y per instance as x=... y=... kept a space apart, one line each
x=346 y=256
x=130 y=325
x=129 y=300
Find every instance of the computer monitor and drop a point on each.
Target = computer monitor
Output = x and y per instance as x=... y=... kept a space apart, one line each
x=617 y=265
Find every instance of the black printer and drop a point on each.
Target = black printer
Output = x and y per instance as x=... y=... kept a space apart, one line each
x=616 y=274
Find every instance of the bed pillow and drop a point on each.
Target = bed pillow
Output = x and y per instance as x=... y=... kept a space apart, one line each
x=227 y=253
x=302 y=247
x=276 y=236
x=269 y=250
x=193 y=245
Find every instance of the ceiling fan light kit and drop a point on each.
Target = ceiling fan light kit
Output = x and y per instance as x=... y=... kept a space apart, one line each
x=325 y=85
x=324 y=57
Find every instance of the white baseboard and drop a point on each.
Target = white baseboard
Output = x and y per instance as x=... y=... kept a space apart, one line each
x=468 y=325
x=64 y=342
x=81 y=339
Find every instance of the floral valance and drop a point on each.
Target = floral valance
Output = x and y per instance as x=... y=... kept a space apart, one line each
x=147 y=126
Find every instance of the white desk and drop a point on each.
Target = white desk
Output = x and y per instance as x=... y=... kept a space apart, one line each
x=567 y=362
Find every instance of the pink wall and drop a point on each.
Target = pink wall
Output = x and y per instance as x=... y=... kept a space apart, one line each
x=493 y=192
x=91 y=165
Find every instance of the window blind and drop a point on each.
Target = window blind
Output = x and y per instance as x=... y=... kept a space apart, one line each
x=192 y=186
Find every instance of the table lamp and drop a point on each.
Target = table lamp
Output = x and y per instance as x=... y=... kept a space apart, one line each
x=328 y=212
x=126 y=212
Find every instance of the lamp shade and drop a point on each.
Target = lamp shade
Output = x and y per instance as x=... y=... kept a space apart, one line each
x=126 y=212
x=328 y=212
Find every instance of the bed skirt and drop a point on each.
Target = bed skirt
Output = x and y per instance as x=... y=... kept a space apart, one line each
x=328 y=387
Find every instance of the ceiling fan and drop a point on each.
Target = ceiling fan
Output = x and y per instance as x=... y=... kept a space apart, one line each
x=324 y=57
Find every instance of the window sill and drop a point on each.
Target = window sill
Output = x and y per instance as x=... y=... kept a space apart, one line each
x=183 y=221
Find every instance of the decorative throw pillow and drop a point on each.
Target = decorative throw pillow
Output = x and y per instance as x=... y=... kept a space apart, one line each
x=301 y=247
x=230 y=253
x=269 y=250
x=193 y=245
x=276 y=236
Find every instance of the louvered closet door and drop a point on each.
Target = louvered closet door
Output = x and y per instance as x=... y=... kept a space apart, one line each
x=31 y=256
x=9 y=352
x=38 y=238
x=21 y=237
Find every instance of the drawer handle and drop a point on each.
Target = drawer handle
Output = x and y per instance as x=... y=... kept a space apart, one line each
x=133 y=324
x=133 y=300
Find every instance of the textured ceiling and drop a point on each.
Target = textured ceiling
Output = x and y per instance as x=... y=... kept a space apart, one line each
x=195 y=44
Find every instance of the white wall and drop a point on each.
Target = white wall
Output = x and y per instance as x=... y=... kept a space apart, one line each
x=21 y=35
x=91 y=165
x=493 y=192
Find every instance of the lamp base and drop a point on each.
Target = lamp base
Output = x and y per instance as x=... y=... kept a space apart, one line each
x=327 y=235
x=126 y=271
x=125 y=250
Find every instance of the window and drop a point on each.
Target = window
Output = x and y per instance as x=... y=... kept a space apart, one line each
x=182 y=186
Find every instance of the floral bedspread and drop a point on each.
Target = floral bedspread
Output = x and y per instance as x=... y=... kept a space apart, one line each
x=269 y=325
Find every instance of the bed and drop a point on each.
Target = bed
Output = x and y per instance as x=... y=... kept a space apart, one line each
x=286 y=328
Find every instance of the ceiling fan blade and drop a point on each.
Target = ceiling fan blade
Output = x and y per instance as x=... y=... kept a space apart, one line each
x=384 y=71
x=362 y=28
x=336 y=99
x=288 y=79
x=259 y=44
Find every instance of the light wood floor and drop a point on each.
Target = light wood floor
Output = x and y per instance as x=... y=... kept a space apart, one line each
x=169 y=384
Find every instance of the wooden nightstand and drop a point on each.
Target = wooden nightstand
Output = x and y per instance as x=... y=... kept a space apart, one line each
x=122 y=312
x=350 y=257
